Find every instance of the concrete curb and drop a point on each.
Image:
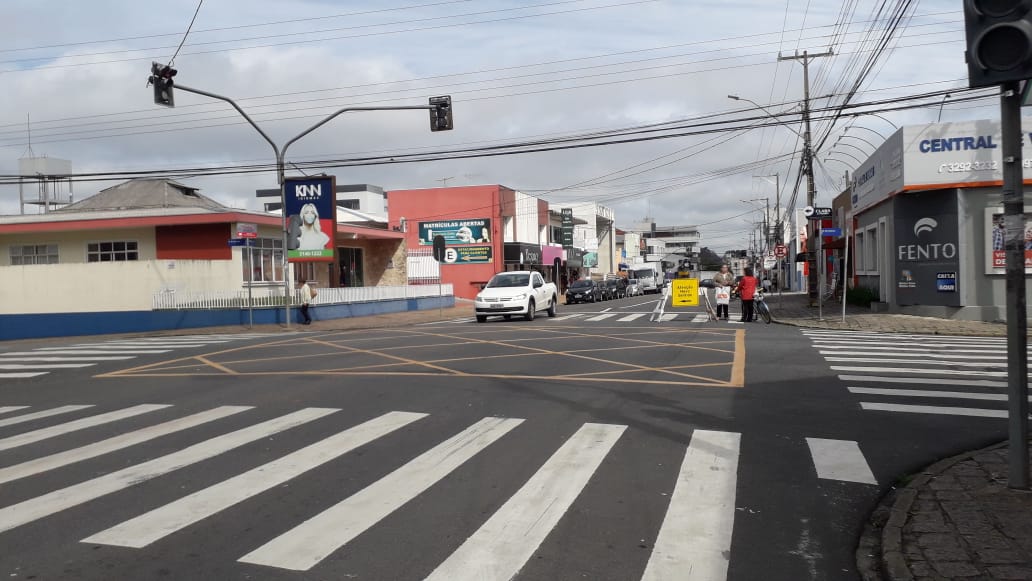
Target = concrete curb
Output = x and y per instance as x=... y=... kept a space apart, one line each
x=893 y=560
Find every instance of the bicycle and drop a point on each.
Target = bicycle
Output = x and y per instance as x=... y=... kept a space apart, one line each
x=761 y=307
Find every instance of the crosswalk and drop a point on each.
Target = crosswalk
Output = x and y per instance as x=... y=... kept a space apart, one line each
x=43 y=360
x=693 y=540
x=919 y=374
x=611 y=317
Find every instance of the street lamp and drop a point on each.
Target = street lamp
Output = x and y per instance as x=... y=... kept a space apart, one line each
x=844 y=135
x=849 y=166
x=765 y=110
x=837 y=143
x=894 y=126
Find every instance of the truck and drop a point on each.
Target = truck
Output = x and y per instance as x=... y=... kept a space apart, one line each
x=649 y=277
x=517 y=292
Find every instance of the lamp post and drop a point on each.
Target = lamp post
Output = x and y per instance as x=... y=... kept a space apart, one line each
x=765 y=110
x=845 y=135
x=838 y=143
x=847 y=154
x=866 y=128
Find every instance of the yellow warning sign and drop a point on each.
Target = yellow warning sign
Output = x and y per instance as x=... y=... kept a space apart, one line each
x=685 y=292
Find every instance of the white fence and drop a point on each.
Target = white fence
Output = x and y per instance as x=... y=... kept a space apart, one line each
x=421 y=267
x=273 y=296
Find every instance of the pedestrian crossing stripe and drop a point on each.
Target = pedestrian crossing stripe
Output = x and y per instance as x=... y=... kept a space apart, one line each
x=693 y=540
x=882 y=369
x=689 y=317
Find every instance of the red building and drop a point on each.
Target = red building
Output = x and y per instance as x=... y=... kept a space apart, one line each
x=487 y=229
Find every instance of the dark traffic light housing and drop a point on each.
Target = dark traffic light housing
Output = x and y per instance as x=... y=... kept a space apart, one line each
x=441 y=113
x=999 y=41
x=161 y=78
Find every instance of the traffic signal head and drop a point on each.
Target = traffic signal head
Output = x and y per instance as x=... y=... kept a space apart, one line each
x=161 y=78
x=999 y=41
x=441 y=113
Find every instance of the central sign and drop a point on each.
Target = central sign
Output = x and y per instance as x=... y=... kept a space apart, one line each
x=684 y=292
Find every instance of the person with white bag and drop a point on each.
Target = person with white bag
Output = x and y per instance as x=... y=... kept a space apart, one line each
x=723 y=281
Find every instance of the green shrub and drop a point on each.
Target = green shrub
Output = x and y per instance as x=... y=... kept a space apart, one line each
x=861 y=296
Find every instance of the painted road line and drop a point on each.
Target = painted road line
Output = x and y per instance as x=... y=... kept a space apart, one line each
x=924 y=380
x=667 y=317
x=915 y=343
x=11 y=408
x=700 y=318
x=21 y=375
x=979 y=364
x=695 y=538
x=502 y=546
x=161 y=522
x=917 y=354
x=63 y=351
x=840 y=460
x=573 y=316
x=44 y=365
x=76 y=425
x=930 y=393
x=631 y=317
x=147 y=346
x=606 y=310
x=923 y=371
x=16 y=515
x=937 y=410
x=38 y=465
x=874 y=335
x=65 y=358
x=42 y=414
x=639 y=304
x=602 y=317
x=307 y=544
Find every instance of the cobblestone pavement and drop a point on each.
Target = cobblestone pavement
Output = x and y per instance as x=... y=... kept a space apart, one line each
x=959 y=520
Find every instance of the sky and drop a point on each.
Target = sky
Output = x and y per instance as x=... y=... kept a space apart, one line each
x=73 y=76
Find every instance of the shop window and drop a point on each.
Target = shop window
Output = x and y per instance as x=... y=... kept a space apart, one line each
x=352 y=271
x=33 y=254
x=858 y=253
x=304 y=272
x=118 y=251
x=267 y=260
x=871 y=250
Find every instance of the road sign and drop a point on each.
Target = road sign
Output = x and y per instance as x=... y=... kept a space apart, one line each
x=817 y=212
x=770 y=262
x=780 y=251
x=684 y=292
x=240 y=242
x=831 y=231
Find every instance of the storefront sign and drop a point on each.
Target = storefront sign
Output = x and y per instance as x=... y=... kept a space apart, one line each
x=522 y=253
x=995 y=242
x=567 y=227
x=311 y=209
x=246 y=230
x=946 y=282
x=926 y=239
x=468 y=231
x=467 y=255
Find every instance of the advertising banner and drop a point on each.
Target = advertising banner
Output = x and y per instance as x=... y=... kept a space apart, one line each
x=468 y=231
x=311 y=207
x=995 y=238
x=467 y=255
x=927 y=249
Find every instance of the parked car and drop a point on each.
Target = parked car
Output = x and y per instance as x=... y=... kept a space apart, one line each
x=707 y=283
x=519 y=292
x=617 y=287
x=633 y=287
x=582 y=291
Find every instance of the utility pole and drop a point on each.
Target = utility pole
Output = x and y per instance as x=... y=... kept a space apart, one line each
x=806 y=57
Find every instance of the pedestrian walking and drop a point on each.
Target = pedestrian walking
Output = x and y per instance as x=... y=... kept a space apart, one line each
x=747 y=291
x=723 y=281
x=307 y=294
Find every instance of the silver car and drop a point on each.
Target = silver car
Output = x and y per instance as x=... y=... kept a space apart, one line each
x=633 y=287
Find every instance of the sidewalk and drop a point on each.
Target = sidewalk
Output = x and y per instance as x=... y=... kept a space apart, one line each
x=793 y=309
x=955 y=520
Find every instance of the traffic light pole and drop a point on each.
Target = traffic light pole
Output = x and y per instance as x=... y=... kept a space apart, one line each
x=280 y=170
x=1017 y=325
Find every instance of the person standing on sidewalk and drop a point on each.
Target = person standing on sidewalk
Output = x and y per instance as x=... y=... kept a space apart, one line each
x=307 y=294
x=723 y=281
x=747 y=290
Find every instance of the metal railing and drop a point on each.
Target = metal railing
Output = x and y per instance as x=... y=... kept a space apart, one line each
x=176 y=300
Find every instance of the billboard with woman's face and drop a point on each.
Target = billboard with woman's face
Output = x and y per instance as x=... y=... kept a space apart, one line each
x=311 y=207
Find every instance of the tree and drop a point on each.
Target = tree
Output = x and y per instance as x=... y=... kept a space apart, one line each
x=709 y=260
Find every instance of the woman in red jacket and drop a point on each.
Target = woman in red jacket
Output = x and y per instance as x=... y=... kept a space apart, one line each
x=747 y=290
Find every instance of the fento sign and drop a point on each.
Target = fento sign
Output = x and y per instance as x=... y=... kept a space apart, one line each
x=927 y=250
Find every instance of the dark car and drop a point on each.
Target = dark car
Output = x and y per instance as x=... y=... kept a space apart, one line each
x=617 y=288
x=582 y=291
x=707 y=283
x=603 y=290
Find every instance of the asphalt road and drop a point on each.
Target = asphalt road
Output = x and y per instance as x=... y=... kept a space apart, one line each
x=581 y=447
